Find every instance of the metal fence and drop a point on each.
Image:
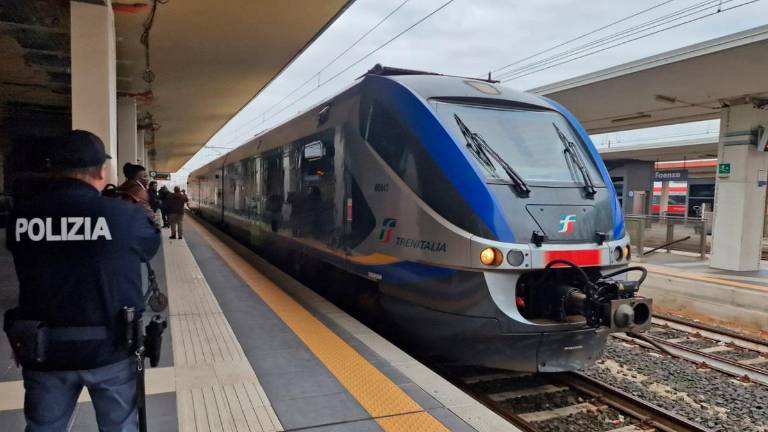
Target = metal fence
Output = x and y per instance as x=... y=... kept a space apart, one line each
x=668 y=233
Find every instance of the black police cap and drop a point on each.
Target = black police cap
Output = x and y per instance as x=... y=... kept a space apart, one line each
x=79 y=149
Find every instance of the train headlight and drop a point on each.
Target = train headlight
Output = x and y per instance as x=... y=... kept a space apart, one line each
x=491 y=256
x=627 y=253
x=618 y=253
x=515 y=258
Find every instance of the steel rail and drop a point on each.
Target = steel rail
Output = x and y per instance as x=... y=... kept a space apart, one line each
x=648 y=413
x=492 y=405
x=712 y=360
x=736 y=336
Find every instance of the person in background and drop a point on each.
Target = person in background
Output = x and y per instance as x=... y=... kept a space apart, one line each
x=135 y=187
x=154 y=200
x=186 y=198
x=162 y=194
x=174 y=206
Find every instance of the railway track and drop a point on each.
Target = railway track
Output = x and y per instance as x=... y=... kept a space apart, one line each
x=743 y=357
x=567 y=401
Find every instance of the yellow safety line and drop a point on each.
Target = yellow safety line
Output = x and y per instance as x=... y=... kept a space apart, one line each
x=692 y=276
x=387 y=403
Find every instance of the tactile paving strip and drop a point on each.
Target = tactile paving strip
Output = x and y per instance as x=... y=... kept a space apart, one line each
x=216 y=387
x=387 y=403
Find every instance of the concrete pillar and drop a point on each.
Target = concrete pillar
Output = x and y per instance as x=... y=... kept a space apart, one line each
x=664 y=198
x=127 y=138
x=94 y=91
x=740 y=197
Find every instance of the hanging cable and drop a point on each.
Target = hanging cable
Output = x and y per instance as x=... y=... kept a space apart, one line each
x=582 y=36
x=630 y=40
x=638 y=28
x=149 y=76
x=327 y=65
x=622 y=34
x=370 y=53
x=317 y=74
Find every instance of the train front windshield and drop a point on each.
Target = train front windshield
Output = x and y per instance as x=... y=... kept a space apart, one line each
x=540 y=146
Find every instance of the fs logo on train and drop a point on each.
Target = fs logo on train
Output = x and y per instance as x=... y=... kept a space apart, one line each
x=388 y=228
x=566 y=223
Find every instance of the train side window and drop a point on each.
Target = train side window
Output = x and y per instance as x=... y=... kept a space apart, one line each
x=394 y=141
x=389 y=138
x=313 y=150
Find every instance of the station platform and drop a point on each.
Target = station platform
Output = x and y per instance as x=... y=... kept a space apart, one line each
x=251 y=349
x=691 y=264
x=682 y=283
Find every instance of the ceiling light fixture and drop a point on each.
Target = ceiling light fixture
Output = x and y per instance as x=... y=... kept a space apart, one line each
x=630 y=118
x=665 y=99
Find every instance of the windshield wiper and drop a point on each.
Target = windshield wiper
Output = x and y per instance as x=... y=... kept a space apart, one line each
x=569 y=149
x=480 y=148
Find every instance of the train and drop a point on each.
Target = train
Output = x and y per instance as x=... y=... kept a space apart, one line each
x=690 y=198
x=482 y=217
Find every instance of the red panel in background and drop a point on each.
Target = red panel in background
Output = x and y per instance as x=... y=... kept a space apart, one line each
x=588 y=257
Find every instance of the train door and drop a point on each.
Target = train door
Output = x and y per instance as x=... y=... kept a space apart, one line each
x=272 y=164
x=314 y=212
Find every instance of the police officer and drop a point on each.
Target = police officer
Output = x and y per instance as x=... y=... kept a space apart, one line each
x=77 y=256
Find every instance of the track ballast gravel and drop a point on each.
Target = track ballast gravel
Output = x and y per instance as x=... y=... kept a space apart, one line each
x=708 y=397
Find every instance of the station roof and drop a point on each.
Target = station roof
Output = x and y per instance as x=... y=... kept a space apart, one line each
x=687 y=84
x=691 y=149
x=210 y=60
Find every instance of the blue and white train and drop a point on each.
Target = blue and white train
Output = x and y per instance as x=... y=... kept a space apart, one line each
x=483 y=217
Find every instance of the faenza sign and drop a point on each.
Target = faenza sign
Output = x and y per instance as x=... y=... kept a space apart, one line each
x=671 y=175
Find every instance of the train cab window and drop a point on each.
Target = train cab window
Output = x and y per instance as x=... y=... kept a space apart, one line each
x=533 y=143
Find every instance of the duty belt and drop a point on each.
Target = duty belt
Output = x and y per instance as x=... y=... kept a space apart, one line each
x=77 y=333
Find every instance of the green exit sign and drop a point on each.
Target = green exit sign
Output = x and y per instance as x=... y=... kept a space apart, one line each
x=724 y=170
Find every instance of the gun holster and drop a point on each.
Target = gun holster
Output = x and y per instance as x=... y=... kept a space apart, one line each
x=28 y=338
x=153 y=340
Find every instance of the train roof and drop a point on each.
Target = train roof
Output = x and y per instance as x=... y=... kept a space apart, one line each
x=426 y=85
x=430 y=85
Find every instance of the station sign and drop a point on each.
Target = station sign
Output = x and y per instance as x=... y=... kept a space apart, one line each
x=724 y=170
x=671 y=175
x=154 y=175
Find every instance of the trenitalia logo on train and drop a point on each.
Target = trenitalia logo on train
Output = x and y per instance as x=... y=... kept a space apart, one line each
x=566 y=223
x=386 y=235
x=428 y=245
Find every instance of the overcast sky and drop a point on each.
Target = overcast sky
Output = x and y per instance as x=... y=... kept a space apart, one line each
x=469 y=37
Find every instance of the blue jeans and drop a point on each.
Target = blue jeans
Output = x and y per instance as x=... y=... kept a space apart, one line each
x=50 y=397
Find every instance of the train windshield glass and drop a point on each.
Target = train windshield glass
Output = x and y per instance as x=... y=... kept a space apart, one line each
x=529 y=142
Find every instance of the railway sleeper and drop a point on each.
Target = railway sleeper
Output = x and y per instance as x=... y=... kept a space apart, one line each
x=541 y=416
x=544 y=389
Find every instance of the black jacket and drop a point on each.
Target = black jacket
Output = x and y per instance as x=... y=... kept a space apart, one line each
x=78 y=259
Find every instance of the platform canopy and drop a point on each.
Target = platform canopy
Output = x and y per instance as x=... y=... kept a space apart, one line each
x=686 y=84
x=210 y=58
x=700 y=148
